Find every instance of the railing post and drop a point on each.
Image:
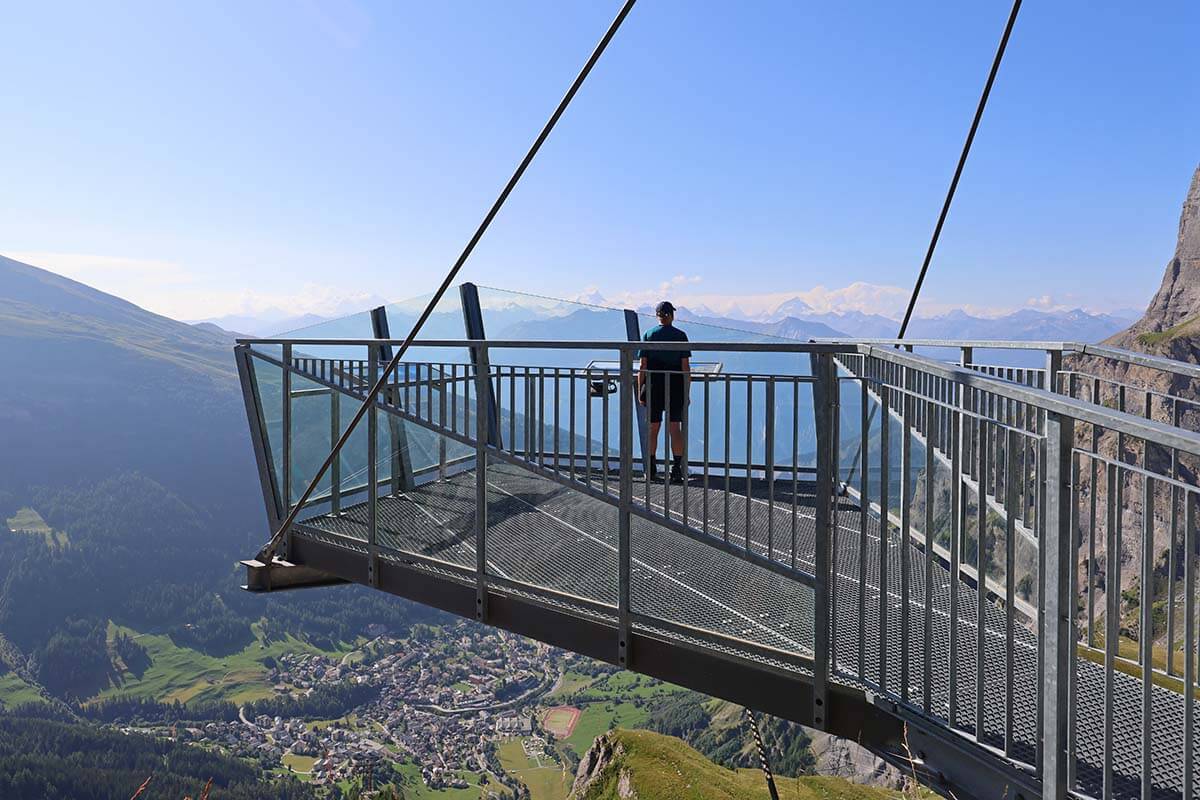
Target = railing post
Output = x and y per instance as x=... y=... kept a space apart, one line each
x=633 y=332
x=624 y=509
x=1059 y=642
x=335 y=469
x=1053 y=367
x=473 y=323
x=401 y=460
x=483 y=429
x=286 y=423
x=824 y=387
x=373 y=354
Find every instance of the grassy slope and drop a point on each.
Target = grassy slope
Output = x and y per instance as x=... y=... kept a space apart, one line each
x=664 y=768
x=183 y=674
x=15 y=692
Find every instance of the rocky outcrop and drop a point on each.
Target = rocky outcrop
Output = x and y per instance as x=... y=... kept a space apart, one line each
x=1170 y=328
x=842 y=758
x=604 y=754
x=1171 y=324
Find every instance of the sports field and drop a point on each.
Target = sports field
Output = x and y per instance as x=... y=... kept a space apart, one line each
x=561 y=720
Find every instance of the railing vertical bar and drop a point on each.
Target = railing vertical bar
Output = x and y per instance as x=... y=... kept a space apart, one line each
x=958 y=446
x=442 y=424
x=885 y=446
x=769 y=464
x=749 y=450
x=668 y=445
x=907 y=406
x=984 y=453
x=286 y=425
x=728 y=398
x=864 y=518
x=933 y=425
x=648 y=450
x=835 y=528
x=587 y=430
x=1146 y=628
x=795 y=466
x=704 y=495
x=685 y=433
x=335 y=468
x=1010 y=594
x=557 y=403
x=512 y=410
x=541 y=417
x=1076 y=528
x=531 y=431
x=571 y=421
x=1094 y=527
x=1112 y=582
x=604 y=448
x=468 y=380
x=1172 y=561
x=454 y=397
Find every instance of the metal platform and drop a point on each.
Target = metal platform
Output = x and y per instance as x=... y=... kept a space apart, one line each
x=556 y=544
x=824 y=560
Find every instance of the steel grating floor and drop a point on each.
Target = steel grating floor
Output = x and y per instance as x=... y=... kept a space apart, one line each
x=547 y=535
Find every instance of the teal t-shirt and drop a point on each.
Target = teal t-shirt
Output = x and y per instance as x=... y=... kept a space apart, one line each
x=664 y=359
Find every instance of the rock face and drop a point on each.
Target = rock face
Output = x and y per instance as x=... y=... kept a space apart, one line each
x=604 y=753
x=1170 y=328
x=842 y=758
x=1171 y=324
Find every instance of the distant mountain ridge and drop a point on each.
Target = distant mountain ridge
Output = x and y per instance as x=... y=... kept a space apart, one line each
x=102 y=386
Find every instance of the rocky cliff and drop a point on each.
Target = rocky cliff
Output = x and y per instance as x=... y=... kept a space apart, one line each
x=1171 y=324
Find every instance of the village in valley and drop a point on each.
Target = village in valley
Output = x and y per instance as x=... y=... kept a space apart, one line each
x=457 y=711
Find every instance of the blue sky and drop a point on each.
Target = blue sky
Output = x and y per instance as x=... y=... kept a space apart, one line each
x=210 y=158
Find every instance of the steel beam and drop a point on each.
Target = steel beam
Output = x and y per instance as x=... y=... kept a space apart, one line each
x=402 y=473
x=473 y=325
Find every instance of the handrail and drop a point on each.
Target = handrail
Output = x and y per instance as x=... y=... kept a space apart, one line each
x=797 y=347
x=1140 y=427
x=1121 y=422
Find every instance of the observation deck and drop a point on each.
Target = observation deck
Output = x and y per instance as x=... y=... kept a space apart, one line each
x=870 y=539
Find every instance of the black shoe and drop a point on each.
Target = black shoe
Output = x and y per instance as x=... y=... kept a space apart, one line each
x=676 y=475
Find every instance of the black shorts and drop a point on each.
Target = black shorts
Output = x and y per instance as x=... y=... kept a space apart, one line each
x=658 y=396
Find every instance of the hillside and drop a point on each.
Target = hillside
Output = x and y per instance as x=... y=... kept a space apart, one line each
x=642 y=765
x=97 y=385
x=128 y=484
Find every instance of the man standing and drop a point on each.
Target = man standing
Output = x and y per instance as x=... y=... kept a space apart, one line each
x=664 y=384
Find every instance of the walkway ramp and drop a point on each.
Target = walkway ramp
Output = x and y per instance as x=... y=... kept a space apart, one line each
x=516 y=494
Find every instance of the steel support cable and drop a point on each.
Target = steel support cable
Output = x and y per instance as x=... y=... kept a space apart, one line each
x=268 y=551
x=763 y=762
x=962 y=162
x=941 y=220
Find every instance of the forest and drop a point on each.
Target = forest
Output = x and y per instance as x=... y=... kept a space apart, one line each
x=48 y=757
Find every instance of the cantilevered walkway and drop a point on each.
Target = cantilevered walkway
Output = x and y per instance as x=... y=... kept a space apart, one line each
x=823 y=559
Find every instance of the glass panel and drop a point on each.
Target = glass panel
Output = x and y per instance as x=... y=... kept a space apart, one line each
x=268 y=383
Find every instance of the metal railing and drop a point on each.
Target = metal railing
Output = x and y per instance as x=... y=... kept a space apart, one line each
x=968 y=575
